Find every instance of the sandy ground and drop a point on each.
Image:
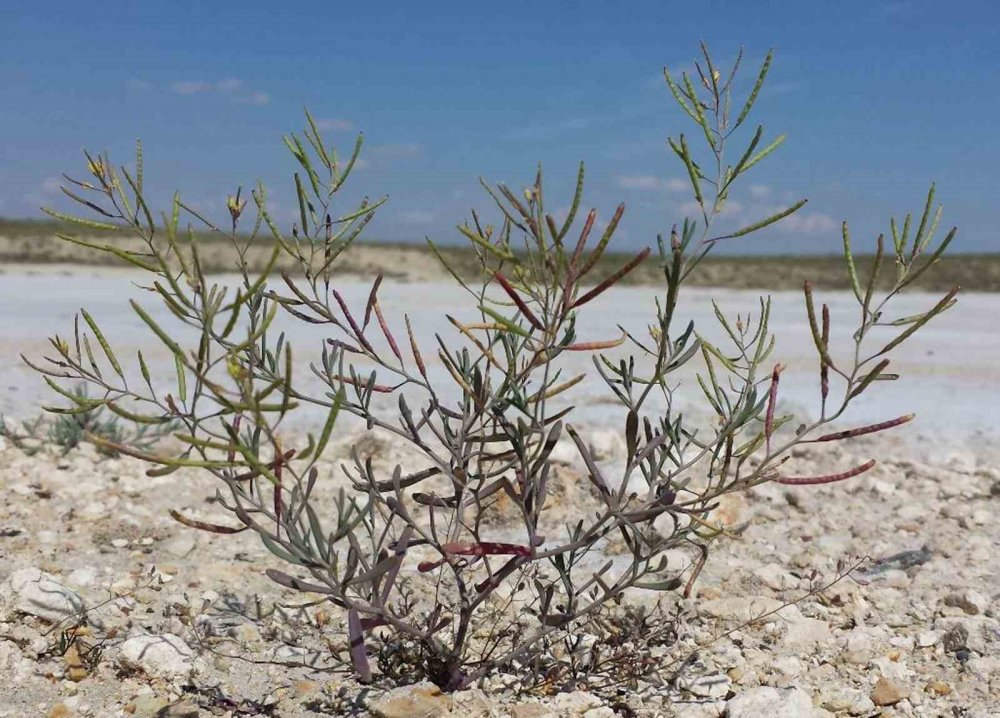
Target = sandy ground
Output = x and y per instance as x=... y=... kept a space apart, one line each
x=187 y=624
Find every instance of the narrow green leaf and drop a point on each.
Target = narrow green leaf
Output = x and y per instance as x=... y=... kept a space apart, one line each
x=112 y=359
x=756 y=89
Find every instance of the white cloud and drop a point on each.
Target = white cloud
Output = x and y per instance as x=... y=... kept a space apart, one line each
x=676 y=184
x=540 y=131
x=52 y=185
x=230 y=85
x=736 y=214
x=812 y=223
x=638 y=182
x=416 y=216
x=759 y=191
x=333 y=124
x=254 y=98
x=136 y=84
x=652 y=182
x=190 y=87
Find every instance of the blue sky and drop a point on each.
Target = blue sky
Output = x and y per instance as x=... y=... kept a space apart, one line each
x=878 y=99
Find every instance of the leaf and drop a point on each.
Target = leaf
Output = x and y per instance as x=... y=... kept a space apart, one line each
x=756 y=89
x=852 y=271
x=764 y=222
x=508 y=324
x=112 y=359
x=359 y=653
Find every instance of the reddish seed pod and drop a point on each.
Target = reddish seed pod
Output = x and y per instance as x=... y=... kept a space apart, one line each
x=828 y=479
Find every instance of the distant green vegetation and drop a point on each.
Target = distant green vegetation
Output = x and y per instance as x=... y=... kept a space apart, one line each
x=33 y=241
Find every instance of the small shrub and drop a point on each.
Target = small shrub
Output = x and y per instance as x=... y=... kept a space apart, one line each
x=427 y=584
x=87 y=420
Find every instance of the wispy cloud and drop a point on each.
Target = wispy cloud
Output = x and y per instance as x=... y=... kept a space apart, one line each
x=549 y=129
x=736 y=214
x=417 y=217
x=334 y=124
x=652 y=183
x=230 y=87
x=52 y=185
x=759 y=191
x=190 y=87
x=254 y=98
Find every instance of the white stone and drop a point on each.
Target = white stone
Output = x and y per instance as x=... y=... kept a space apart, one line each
x=162 y=656
x=787 y=666
x=711 y=686
x=747 y=608
x=775 y=577
x=806 y=632
x=926 y=639
x=565 y=452
x=606 y=444
x=772 y=703
x=575 y=704
x=39 y=594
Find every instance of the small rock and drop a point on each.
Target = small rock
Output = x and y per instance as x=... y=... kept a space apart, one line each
x=888 y=693
x=806 y=632
x=772 y=703
x=423 y=700
x=775 y=577
x=163 y=656
x=39 y=594
x=926 y=639
x=76 y=670
x=530 y=710
x=938 y=688
x=839 y=699
x=970 y=601
x=245 y=632
x=712 y=686
x=577 y=703
x=606 y=444
x=119 y=543
x=788 y=666
x=973 y=633
x=565 y=452
x=180 y=546
x=984 y=668
x=744 y=608
x=181 y=709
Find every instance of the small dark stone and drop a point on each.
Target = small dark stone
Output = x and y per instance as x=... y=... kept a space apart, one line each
x=963 y=655
x=901 y=561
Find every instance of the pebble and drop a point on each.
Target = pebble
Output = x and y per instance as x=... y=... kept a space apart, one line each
x=37 y=593
x=887 y=692
x=606 y=444
x=970 y=601
x=162 y=656
x=973 y=633
x=772 y=703
x=423 y=700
